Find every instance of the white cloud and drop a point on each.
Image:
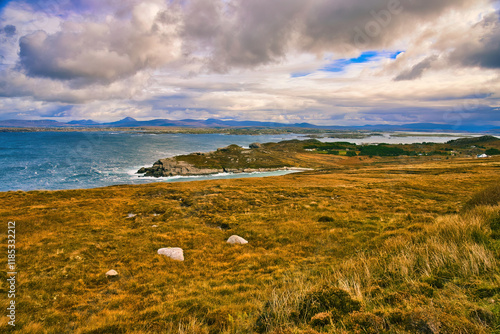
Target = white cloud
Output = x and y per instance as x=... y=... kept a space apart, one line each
x=235 y=59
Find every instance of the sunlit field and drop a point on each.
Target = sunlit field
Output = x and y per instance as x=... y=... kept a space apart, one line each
x=359 y=246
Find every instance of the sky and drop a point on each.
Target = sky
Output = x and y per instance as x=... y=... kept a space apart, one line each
x=325 y=62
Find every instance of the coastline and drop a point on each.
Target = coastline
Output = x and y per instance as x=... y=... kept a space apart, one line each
x=306 y=220
x=218 y=172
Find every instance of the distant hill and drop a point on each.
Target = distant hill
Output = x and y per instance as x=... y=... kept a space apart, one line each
x=85 y=122
x=461 y=142
x=16 y=123
x=130 y=122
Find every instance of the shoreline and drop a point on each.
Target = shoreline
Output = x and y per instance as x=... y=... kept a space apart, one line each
x=186 y=170
x=176 y=179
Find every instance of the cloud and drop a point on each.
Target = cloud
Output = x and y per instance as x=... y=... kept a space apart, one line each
x=9 y=30
x=483 y=51
x=220 y=34
x=90 y=52
x=16 y=84
x=416 y=71
x=329 y=60
x=246 y=34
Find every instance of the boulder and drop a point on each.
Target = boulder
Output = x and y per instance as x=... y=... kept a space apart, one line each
x=255 y=145
x=174 y=253
x=112 y=273
x=236 y=240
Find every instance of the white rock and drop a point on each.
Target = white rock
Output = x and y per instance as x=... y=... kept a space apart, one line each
x=234 y=239
x=174 y=253
x=154 y=225
x=131 y=215
x=112 y=273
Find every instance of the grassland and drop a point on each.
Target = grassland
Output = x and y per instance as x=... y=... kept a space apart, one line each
x=360 y=245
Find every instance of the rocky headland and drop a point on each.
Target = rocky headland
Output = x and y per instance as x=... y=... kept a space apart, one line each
x=296 y=154
x=231 y=159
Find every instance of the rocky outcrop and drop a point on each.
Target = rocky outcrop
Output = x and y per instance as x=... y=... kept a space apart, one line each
x=258 y=157
x=255 y=145
x=172 y=167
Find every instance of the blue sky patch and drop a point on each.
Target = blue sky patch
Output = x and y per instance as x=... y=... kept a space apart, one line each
x=300 y=74
x=339 y=65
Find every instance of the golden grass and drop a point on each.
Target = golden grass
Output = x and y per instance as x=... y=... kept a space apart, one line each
x=390 y=232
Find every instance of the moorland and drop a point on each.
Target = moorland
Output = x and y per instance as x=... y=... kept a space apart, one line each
x=386 y=239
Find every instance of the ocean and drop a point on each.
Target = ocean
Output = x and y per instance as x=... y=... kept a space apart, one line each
x=76 y=160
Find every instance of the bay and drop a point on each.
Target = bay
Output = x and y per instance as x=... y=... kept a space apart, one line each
x=76 y=160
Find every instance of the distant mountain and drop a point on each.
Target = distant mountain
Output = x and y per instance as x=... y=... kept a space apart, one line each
x=83 y=122
x=214 y=123
x=17 y=123
x=130 y=122
x=123 y=122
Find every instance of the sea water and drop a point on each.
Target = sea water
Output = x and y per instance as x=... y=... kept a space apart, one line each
x=75 y=160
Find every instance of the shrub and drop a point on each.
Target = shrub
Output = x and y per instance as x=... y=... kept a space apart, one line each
x=217 y=320
x=495 y=226
x=487 y=196
x=482 y=316
x=324 y=299
x=321 y=319
x=325 y=219
x=421 y=322
x=381 y=150
x=492 y=151
x=364 y=322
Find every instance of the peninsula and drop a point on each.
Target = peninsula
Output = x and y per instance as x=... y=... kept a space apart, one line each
x=296 y=154
x=231 y=159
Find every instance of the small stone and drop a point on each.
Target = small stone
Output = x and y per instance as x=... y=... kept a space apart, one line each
x=236 y=240
x=131 y=215
x=112 y=273
x=174 y=253
x=154 y=226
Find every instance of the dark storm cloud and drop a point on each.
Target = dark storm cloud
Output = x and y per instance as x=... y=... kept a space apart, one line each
x=101 y=52
x=62 y=58
x=481 y=114
x=484 y=52
x=245 y=33
x=221 y=34
x=250 y=33
x=367 y=24
x=9 y=30
x=416 y=71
